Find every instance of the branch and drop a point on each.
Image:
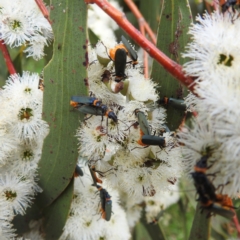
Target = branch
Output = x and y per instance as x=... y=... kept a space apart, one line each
x=171 y=66
x=236 y=223
x=43 y=9
x=141 y=19
x=145 y=55
x=7 y=58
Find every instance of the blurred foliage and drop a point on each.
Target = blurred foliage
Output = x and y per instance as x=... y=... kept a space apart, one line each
x=155 y=230
x=177 y=220
x=140 y=232
x=200 y=225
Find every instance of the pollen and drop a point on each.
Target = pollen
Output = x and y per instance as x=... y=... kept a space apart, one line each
x=87 y=224
x=225 y=60
x=27 y=155
x=25 y=113
x=28 y=90
x=16 y=25
x=10 y=195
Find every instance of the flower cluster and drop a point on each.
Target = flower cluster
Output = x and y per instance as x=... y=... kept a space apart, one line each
x=215 y=130
x=99 y=20
x=113 y=145
x=85 y=217
x=21 y=137
x=21 y=25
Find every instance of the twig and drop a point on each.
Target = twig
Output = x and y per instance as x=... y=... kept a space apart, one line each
x=140 y=17
x=145 y=55
x=216 y=5
x=7 y=58
x=208 y=7
x=43 y=9
x=171 y=66
x=236 y=223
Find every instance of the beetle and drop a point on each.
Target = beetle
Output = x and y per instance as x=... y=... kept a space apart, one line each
x=93 y=106
x=209 y=200
x=98 y=112
x=228 y=4
x=105 y=198
x=118 y=55
x=78 y=171
x=106 y=203
x=82 y=100
x=142 y=120
x=222 y=206
x=131 y=53
x=90 y=110
x=201 y=182
x=222 y=211
x=147 y=140
x=120 y=64
x=112 y=51
x=153 y=140
x=94 y=175
x=178 y=104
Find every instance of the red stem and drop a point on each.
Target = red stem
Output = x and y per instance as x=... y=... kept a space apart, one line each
x=7 y=58
x=236 y=223
x=43 y=9
x=140 y=18
x=145 y=55
x=215 y=5
x=171 y=66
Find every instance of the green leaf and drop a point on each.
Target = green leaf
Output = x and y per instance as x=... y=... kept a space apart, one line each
x=172 y=39
x=21 y=222
x=17 y=62
x=201 y=226
x=189 y=190
x=48 y=50
x=64 y=76
x=218 y=229
x=151 y=12
x=92 y=37
x=154 y=230
x=217 y=236
x=140 y=232
x=175 y=217
x=55 y=216
x=3 y=70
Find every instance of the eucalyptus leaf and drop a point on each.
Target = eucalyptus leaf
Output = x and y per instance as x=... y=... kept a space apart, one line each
x=172 y=39
x=21 y=222
x=92 y=37
x=3 y=70
x=151 y=13
x=17 y=62
x=64 y=76
x=140 y=232
x=217 y=227
x=55 y=216
x=201 y=226
x=154 y=229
